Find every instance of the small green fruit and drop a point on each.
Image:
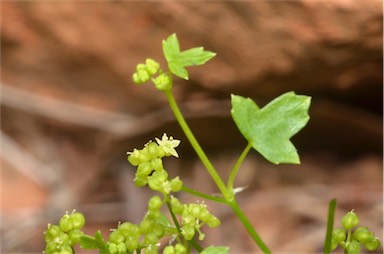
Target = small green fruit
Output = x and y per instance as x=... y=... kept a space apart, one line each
x=350 y=220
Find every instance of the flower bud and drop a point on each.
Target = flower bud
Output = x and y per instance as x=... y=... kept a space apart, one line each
x=180 y=249
x=196 y=210
x=51 y=247
x=150 y=238
x=112 y=247
x=132 y=243
x=77 y=219
x=121 y=248
x=162 y=82
x=146 y=226
x=157 y=164
x=144 y=169
x=51 y=233
x=66 y=249
x=177 y=207
x=152 y=66
x=153 y=149
x=188 y=232
x=144 y=155
x=66 y=223
x=156 y=183
x=155 y=203
x=64 y=239
x=169 y=250
x=334 y=244
x=159 y=230
x=143 y=76
x=136 y=79
x=338 y=235
x=133 y=157
x=176 y=184
x=354 y=247
x=373 y=244
x=116 y=237
x=140 y=181
x=363 y=235
x=213 y=222
x=189 y=220
x=350 y=220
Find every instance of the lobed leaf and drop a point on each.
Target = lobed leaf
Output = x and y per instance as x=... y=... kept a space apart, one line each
x=269 y=129
x=177 y=60
x=97 y=242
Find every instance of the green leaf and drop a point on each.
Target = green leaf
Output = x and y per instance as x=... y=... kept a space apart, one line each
x=269 y=129
x=97 y=242
x=163 y=220
x=178 y=60
x=215 y=250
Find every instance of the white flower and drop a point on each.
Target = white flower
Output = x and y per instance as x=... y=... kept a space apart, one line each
x=168 y=144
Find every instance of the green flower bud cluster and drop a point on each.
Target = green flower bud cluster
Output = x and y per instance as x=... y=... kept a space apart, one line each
x=61 y=238
x=351 y=240
x=129 y=237
x=150 y=168
x=147 y=71
x=177 y=249
x=193 y=217
x=123 y=239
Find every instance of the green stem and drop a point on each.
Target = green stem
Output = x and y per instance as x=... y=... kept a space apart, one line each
x=330 y=221
x=227 y=193
x=196 y=146
x=192 y=242
x=247 y=224
x=236 y=168
x=203 y=195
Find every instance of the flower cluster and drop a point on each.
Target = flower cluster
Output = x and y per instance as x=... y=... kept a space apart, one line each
x=61 y=238
x=150 y=168
x=351 y=241
x=193 y=217
x=147 y=71
x=129 y=237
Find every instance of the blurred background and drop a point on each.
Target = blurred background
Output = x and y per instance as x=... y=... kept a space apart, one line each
x=70 y=112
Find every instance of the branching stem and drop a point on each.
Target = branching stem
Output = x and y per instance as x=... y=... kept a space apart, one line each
x=227 y=192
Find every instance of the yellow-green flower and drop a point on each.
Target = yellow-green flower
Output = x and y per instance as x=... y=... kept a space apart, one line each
x=168 y=144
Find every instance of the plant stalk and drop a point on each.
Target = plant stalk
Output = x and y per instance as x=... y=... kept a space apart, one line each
x=227 y=193
x=192 y=242
x=247 y=224
x=236 y=168
x=203 y=195
x=330 y=221
x=203 y=157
